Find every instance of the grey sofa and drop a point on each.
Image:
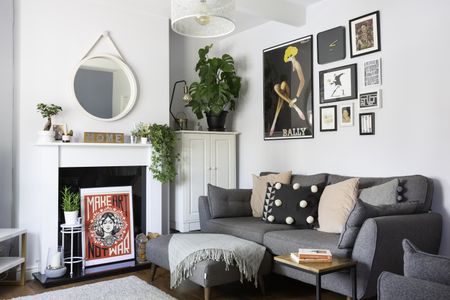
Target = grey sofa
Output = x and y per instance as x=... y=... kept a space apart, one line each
x=377 y=247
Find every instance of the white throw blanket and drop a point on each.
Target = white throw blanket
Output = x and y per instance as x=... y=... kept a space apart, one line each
x=186 y=250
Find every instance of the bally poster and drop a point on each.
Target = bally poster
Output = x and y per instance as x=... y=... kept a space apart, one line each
x=288 y=90
x=107 y=215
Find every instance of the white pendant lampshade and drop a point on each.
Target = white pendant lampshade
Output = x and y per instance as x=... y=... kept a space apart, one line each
x=203 y=18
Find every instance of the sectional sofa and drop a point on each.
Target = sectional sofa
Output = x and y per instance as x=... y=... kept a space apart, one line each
x=378 y=246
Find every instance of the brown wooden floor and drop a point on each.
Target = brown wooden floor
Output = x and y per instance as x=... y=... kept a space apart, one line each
x=278 y=287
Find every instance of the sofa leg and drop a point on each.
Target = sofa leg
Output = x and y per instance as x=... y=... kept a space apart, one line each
x=207 y=292
x=153 y=268
x=261 y=284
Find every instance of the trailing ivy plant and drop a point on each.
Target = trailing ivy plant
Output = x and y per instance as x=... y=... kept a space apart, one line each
x=164 y=155
x=219 y=86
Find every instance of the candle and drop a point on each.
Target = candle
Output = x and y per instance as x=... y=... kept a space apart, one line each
x=65 y=129
x=55 y=262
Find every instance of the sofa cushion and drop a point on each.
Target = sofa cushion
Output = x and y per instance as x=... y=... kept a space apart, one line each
x=259 y=189
x=292 y=204
x=287 y=241
x=249 y=228
x=225 y=203
x=306 y=180
x=335 y=205
x=425 y=266
x=382 y=194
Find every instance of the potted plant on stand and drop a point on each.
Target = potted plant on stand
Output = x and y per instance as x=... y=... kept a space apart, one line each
x=70 y=205
x=217 y=91
x=47 y=111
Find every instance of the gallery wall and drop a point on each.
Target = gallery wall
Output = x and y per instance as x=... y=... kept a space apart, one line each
x=51 y=38
x=411 y=127
x=6 y=121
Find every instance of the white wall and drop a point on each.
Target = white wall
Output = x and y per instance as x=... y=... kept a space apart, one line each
x=6 y=103
x=52 y=36
x=411 y=128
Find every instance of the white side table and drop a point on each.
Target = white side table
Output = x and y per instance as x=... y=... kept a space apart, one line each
x=7 y=263
x=71 y=230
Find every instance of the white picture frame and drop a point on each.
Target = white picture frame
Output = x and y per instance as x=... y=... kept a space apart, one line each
x=346 y=115
x=372 y=73
x=370 y=100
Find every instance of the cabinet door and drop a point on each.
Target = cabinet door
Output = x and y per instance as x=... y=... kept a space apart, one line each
x=223 y=160
x=197 y=173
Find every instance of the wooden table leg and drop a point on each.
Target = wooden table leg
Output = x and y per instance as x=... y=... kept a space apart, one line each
x=23 y=253
x=207 y=293
x=153 y=268
x=318 y=284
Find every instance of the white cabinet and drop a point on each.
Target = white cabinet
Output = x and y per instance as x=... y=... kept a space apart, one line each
x=205 y=157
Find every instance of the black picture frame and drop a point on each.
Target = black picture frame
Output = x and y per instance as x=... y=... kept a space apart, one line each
x=334 y=116
x=367 y=123
x=365 y=36
x=338 y=84
x=281 y=120
x=331 y=45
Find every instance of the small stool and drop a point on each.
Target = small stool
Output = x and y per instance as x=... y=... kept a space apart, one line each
x=207 y=273
x=71 y=230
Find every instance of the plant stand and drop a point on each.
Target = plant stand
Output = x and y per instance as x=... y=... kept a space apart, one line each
x=71 y=230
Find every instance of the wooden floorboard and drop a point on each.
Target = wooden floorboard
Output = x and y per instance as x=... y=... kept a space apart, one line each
x=277 y=287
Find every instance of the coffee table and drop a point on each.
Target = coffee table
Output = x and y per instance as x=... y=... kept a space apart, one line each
x=322 y=268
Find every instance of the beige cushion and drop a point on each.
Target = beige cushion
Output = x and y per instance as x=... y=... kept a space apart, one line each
x=260 y=187
x=335 y=205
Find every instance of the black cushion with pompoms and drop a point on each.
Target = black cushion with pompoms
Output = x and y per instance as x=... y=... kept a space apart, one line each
x=292 y=204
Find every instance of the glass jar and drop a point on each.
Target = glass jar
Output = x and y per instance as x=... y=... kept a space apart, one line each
x=141 y=248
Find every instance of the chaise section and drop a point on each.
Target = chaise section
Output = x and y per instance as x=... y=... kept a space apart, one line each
x=287 y=241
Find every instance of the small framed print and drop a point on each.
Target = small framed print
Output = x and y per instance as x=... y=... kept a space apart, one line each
x=338 y=84
x=371 y=100
x=372 y=72
x=365 y=34
x=59 y=131
x=328 y=118
x=331 y=45
x=346 y=114
x=367 y=123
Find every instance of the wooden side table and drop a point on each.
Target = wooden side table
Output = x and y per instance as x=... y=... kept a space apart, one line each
x=322 y=268
x=7 y=263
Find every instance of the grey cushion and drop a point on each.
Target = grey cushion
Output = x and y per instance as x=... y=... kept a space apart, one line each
x=249 y=228
x=363 y=211
x=287 y=241
x=416 y=188
x=224 y=203
x=304 y=180
x=382 y=194
x=421 y=265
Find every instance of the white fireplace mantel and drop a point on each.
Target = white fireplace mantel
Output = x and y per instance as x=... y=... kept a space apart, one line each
x=52 y=156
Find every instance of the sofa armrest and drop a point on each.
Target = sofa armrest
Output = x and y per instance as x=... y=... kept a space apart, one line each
x=203 y=211
x=378 y=246
x=393 y=286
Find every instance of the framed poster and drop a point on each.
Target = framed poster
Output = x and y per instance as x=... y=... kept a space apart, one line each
x=346 y=115
x=372 y=72
x=107 y=215
x=328 y=120
x=371 y=100
x=331 y=45
x=288 y=90
x=365 y=34
x=367 y=124
x=338 y=84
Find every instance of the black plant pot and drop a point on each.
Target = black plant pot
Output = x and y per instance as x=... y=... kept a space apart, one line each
x=216 y=123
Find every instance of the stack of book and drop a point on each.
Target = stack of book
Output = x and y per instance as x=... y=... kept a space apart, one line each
x=312 y=255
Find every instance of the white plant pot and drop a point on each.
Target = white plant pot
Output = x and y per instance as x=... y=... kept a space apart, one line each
x=66 y=138
x=71 y=217
x=46 y=136
x=143 y=140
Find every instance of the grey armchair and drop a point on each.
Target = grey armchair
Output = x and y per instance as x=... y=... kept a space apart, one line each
x=427 y=276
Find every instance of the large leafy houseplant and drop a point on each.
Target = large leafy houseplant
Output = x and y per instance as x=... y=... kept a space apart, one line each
x=218 y=87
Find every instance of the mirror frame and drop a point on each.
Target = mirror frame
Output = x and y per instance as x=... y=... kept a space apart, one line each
x=131 y=78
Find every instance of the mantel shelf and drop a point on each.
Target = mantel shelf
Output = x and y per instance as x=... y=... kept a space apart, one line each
x=61 y=144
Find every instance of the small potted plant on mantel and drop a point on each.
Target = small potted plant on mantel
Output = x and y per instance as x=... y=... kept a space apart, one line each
x=217 y=91
x=47 y=111
x=142 y=131
x=70 y=205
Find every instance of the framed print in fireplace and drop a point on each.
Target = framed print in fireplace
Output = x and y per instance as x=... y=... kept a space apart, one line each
x=328 y=118
x=338 y=84
x=331 y=45
x=365 y=34
x=288 y=90
x=367 y=124
x=107 y=215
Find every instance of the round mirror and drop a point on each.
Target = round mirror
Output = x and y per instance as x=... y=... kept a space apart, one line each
x=104 y=87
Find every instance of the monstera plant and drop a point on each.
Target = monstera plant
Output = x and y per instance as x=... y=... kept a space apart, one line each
x=217 y=90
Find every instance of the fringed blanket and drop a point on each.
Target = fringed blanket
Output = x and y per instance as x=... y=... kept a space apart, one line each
x=186 y=250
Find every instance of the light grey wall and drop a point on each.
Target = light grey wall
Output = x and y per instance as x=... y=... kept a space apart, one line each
x=6 y=104
x=412 y=128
